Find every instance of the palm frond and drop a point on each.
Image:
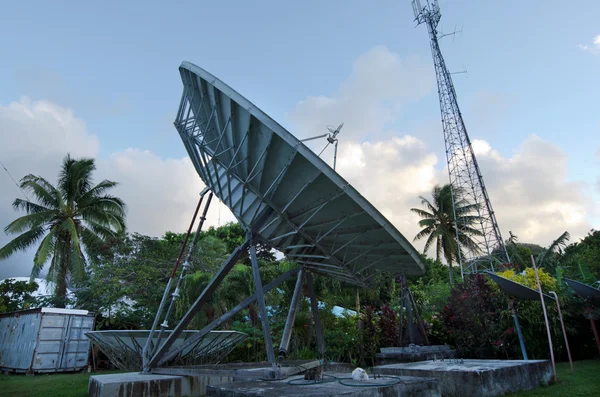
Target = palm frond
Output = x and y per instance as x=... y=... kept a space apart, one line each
x=422 y=213
x=77 y=260
x=22 y=242
x=29 y=207
x=46 y=248
x=75 y=178
x=424 y=233
x=30 y=221
x=97 y=191
x=430 y=239
x=42 y=190
x=560 y=242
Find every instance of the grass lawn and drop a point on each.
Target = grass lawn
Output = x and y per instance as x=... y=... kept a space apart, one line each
x=43 y=385
x=585 y=383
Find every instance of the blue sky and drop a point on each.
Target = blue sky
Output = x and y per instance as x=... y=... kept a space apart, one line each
x=114 y=64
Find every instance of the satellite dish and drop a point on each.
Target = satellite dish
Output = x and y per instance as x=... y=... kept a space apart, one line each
x=254 y=165
x=284 y=196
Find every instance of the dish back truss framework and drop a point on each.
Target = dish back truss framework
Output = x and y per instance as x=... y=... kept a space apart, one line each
x=286 y=197
x=124 y=347
x=463 y=168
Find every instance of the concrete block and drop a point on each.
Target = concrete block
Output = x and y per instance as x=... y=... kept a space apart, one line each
x=396 y=355
x=476 y=377
x=382 y=387
x=135 y=384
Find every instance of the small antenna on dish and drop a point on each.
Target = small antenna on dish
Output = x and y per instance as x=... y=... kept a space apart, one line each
x=331 y=139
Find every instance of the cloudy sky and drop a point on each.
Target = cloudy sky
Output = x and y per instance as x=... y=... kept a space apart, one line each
x=100 y=79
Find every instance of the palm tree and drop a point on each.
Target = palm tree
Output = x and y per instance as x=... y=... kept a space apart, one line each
x=439 y=225
x=69 y=220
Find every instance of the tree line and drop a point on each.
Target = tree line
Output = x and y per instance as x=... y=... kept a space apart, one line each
x=78 y=230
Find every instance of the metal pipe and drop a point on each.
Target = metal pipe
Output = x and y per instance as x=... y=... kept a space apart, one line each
x=562 y=324
x=401 y=324
x=314 y=307
x=193 y=310
x=264 y=319
x=291 y=318
x=335 y=154
x=189 y=342
x=537 y=278
x=595 y=333
x=146 y=350
x=185 y=266
x=518 y=327
x=419 y=321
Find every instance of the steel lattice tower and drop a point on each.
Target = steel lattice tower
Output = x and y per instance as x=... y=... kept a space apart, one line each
x=463 y=169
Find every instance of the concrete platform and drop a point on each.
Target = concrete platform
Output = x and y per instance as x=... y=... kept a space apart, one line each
x=476 y=377
x=134 y=384
x=397 y=355
x=188 y=381
x=382 y=387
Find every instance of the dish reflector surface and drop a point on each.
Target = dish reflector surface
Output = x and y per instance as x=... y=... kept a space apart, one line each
x=257 y=167
x=515 y=289
x=583 y=290
x=124 y=347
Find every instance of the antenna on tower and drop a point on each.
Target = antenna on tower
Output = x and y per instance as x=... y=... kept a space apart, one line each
x=331 y=139
x=480 y=243
x=453 y=34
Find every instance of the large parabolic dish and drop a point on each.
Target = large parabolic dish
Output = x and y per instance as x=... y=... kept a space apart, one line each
x=255 y=166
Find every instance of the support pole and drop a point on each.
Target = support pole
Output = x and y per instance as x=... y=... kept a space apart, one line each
x=335 y=154
x=595 y=333
x=562 y=324
x=184 y=268
x=409 y=319
x=518 y=327
x=401 y=324
x=197 y=305
x=291 y=318
x=260 y=298
x=314 y=307
x=537 y=278
x=148 y=346
x=191 y=341
x=419 y=321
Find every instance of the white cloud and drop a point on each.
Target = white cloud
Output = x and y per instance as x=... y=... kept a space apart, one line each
x=594 y=48
x=530 y=190
x=161 y=194
x=372 y=96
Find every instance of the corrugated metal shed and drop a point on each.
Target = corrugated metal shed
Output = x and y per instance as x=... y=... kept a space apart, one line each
x=45 y=340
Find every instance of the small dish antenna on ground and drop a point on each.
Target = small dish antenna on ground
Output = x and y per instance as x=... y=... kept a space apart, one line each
x=331 y=139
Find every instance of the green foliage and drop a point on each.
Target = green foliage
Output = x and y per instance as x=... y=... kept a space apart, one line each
x=17 y=295
x=439 y=220
x=66 y=221
x=528 y=279
x=473 y=320
x=581 y=260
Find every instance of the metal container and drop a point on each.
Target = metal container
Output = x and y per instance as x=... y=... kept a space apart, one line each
x=45 y=340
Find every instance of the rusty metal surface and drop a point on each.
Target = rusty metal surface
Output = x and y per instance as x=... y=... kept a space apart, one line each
x=39 y=341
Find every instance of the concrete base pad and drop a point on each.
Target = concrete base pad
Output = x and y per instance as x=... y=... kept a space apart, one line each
x=397 y=386
x=397 y=355
x=134 y=384
x=476 y=377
